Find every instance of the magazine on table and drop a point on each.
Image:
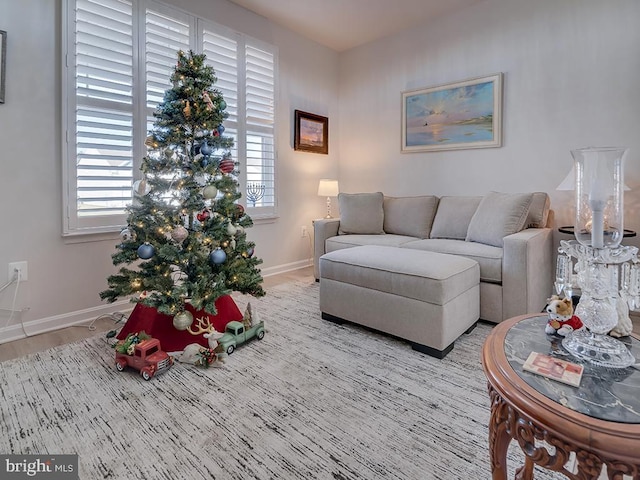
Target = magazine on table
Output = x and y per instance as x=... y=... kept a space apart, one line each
x=554 y=368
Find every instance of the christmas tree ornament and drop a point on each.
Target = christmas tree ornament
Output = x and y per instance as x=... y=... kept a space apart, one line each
x=141 y=187
x=232 y=243
x=203 y=215
x=209 y=192
x=222 y=104
x=231 y=229
x=218 y=256
x=187 y=110
x=239 y=210
x=199 y=157
x=126 y=234
x=207 y=100
x=179 y=234
x=227 y=165
x=250 y=252
x=146 y=251
x=221 y=129
x=205 y=148
x=182 y=320
x=239 y=229
x=150 y=142
x=178 y=276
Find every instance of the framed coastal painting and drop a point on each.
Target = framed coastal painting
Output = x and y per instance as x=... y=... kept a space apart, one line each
x=454 y=116
x=311 y=132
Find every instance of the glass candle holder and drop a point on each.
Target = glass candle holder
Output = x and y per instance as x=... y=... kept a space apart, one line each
x=599 y=191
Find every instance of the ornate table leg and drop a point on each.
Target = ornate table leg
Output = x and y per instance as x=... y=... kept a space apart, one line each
x=525 y=472
x=499 y=437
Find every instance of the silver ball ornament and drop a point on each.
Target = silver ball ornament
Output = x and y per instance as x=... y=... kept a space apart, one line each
x=182 y=320
x=209 y=192
x=141 y=187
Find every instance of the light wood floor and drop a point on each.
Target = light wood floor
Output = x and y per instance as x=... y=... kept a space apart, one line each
x=63 y=336
x=44 y=341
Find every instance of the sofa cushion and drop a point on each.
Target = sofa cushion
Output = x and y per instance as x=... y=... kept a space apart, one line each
x=410 y=216
x=488 y=257
x=347 y=241
x=361 y=213
x=539 y=211
x=498 y=215
x=453 y=217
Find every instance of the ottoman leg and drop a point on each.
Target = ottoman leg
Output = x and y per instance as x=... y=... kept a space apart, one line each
x=470 y=329
x=430 y=350
x=331 y=318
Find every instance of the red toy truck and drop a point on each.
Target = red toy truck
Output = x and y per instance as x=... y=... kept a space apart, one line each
x=147 y=357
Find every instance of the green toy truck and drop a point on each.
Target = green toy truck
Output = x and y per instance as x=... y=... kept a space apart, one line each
x=235 y=334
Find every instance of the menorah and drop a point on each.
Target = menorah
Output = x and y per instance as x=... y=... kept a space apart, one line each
x=255 y=192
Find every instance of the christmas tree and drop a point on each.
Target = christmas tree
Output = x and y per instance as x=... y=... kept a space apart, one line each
x=186 y=234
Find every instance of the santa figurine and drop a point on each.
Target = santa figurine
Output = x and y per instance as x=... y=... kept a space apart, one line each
x=561 y=318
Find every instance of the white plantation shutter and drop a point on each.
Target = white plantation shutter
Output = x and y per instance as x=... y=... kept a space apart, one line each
x=101 y=120
x=119 y=57
x=260 y=148
x=166 y=34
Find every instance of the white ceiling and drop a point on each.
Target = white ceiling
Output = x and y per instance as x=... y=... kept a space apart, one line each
x=344 y=24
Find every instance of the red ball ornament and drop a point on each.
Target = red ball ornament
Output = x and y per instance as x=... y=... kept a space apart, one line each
x=227 y=165
x=203 y=215
x=239 y=210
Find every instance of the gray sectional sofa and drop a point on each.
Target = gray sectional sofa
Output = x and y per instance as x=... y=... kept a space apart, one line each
x=508 y=235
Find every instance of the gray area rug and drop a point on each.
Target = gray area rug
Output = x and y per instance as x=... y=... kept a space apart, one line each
x=313 y=400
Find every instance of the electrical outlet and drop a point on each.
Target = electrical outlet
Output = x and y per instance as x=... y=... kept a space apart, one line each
x=14 y=267
x=303 y=231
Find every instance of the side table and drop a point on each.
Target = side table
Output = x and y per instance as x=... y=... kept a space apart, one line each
x=598 y=421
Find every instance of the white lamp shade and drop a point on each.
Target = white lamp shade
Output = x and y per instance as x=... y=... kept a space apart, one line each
x=328 y=188
x=569 y=182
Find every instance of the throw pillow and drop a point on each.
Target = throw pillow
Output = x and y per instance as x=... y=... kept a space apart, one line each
x=361 y=213
x=453 y=217
x=499 y=215
x=539 y=211
x=410 y=216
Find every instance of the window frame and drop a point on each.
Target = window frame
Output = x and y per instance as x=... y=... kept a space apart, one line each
x=75 y=224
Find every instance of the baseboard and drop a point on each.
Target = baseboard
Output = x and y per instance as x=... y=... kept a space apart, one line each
x=56 y=322
x=287 y=267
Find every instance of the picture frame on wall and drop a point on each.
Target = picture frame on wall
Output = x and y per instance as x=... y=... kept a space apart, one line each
x=3 y=62
x=311 y=132
x=453 y=116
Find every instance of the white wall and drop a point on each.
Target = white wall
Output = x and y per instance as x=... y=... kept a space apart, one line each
x=64 y=277
x=571 y=71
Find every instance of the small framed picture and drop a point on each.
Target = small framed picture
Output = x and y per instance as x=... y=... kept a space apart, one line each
x=3 y=62
x=311 y=133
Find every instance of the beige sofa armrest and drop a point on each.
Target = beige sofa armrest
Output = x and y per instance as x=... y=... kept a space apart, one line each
x=322 y=229
x=527 y=271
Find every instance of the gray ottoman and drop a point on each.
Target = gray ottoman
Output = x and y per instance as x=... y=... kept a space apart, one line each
x=427 y=298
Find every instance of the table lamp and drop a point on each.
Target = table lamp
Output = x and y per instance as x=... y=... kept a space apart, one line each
x=608 y=273
x=328 y=188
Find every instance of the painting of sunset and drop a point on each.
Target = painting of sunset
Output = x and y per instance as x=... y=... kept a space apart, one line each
x=461 y=115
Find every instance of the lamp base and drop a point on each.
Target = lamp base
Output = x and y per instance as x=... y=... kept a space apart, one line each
x=598 y=349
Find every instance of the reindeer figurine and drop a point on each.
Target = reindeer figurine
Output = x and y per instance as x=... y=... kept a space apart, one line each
x=193 y=353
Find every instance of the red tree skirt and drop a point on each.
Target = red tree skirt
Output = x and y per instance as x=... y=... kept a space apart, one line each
x=160 y=326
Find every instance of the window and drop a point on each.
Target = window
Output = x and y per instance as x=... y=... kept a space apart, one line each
x=119 y=55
